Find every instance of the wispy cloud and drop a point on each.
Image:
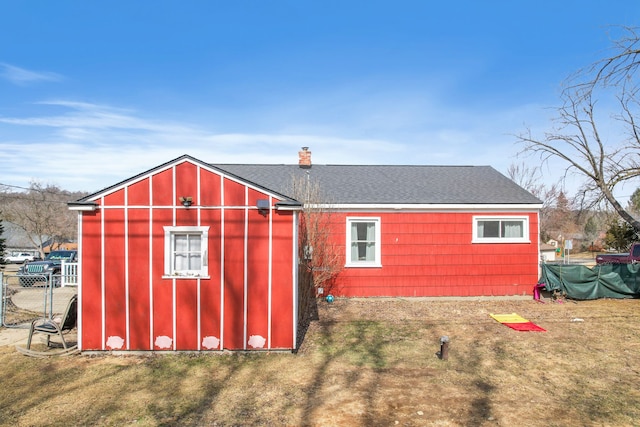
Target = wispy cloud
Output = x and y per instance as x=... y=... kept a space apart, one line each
x=86 y=146
x=24 y=77
x=90 y=146
x=91 y=116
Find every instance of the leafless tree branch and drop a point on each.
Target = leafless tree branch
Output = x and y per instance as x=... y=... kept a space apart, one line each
x=41 y=211
x=605 y=160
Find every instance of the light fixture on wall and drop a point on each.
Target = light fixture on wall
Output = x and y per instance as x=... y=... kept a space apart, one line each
x=263 y=206
x=186 y=201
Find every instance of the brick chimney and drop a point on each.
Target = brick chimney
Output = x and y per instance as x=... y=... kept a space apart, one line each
x=304 y=158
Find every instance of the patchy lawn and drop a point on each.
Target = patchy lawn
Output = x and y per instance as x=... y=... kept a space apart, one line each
x=365 y=362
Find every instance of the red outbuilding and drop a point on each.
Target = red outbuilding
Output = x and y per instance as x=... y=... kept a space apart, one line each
x=197 y=256
x=187 y=257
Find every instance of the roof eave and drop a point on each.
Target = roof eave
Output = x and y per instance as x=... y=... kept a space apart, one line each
x=432 y=206
x=288 y=205
x=82 y=206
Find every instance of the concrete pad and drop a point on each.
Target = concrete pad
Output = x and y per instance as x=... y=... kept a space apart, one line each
x=13 y=336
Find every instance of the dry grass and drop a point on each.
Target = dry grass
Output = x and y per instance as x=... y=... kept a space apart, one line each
x=365 y=362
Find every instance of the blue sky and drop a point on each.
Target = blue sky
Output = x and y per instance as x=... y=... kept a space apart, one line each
x=92 y=93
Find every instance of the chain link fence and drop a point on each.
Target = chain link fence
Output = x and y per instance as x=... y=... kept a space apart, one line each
x=26 y=298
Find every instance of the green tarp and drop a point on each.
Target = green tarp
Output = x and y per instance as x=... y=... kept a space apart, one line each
x=602 y=281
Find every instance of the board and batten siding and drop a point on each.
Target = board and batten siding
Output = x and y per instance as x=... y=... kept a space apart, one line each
x=248 y=300
x=431 y=254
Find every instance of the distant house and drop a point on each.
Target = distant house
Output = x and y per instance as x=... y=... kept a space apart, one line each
x=548 y=252
x=198 y=256
x=53 y=245
x=17 y=240
x=553 y=242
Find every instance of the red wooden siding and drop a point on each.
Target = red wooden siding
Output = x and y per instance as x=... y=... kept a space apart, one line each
x=187 y=184
x=129 y=304
x=186 y=290
x=91 y=296
x=138 y=225
x=210 y=290
x=139 y=302
x=234 y=279
x=162 y=189
x=138 y=194
x=431 y=254
x=187 y=314
x=283 y=298
x=114 y=274
x=257 y=278
x=210 y=194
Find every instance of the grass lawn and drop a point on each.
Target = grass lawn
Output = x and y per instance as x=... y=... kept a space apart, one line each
x=364 y=362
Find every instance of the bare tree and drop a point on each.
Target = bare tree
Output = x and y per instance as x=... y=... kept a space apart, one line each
x=531 y=179
x=321 y=259
x=616 y=68
x=41 y=211
x=604 y=151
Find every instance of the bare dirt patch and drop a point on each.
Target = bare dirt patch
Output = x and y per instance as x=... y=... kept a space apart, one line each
x=364 y=362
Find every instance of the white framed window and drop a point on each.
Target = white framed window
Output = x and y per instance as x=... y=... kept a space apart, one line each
x=494 y=229
x=363 y=242
x=185 y=252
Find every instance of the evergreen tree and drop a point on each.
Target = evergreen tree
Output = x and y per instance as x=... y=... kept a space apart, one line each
x=620 y=235
x=591 y=231
x=634 y=202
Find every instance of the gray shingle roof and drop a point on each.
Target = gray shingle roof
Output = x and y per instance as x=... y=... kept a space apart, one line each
x=381 y=184
x=15 y=237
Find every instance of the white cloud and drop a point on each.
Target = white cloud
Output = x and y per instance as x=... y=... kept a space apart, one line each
x=23 y=77
x=94 y=146
x=91 y=146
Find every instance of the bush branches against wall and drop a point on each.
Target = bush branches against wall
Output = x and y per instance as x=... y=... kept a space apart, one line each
x=318 y=252
x=321 y=257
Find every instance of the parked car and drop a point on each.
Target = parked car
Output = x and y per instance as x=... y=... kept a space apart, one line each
x=51 y=266
x=631 y=257
x=19 y=258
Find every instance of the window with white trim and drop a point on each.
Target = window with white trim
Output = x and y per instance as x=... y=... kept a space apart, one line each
x=500 y=229
x=363 y=242
x=185 y=251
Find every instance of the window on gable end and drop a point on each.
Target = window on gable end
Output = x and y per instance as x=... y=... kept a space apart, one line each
x=186 y=252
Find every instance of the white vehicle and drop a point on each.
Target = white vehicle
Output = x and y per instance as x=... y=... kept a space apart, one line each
x=19 y=258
